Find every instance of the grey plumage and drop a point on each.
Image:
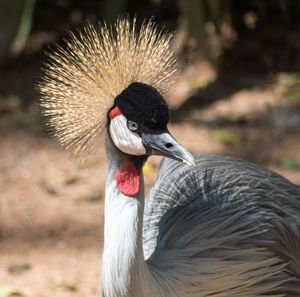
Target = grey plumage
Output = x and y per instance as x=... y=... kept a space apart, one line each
x=238 y=221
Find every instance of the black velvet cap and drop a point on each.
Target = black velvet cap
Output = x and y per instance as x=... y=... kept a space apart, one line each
x=142 y=103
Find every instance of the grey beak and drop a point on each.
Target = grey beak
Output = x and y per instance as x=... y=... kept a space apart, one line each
x=164 y=144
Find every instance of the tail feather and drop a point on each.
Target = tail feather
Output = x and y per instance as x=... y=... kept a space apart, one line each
x=286 y=245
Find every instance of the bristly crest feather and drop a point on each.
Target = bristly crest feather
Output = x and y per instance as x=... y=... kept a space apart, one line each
x=80 y=82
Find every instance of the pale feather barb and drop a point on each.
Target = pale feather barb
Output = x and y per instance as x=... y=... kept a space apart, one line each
x=81 y=81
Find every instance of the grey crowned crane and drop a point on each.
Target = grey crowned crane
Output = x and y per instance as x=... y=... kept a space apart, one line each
x=211 y=225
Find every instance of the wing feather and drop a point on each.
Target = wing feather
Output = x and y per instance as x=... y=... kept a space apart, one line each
x=221 y=223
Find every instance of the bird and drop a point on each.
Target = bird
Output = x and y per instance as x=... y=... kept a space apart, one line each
x=211 y=225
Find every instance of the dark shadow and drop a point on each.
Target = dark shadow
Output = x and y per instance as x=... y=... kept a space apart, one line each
x=71 y=231
x=219 y=89
x=250 y=61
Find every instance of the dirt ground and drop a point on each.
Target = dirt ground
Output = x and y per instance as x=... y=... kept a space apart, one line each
x=51 y=214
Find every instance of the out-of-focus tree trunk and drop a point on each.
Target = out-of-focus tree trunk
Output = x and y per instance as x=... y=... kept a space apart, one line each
x=15 y=25
x=112 y=9
x=193 y=12
x=10 y=14
x=24 y=27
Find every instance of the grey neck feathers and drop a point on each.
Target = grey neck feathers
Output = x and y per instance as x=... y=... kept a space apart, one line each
x=123 y=267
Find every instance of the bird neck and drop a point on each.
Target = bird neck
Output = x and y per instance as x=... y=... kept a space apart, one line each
x=123 y=265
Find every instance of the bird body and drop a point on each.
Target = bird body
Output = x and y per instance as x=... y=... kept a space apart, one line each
x=211 y=226
x=224 y=227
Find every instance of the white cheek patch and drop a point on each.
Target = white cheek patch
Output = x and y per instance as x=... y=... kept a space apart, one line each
x=124 y=139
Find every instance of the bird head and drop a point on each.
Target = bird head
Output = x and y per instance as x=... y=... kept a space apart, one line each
x=138 y=124
x=115 y=78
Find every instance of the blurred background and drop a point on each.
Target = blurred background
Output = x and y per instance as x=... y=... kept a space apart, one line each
x=236 y=92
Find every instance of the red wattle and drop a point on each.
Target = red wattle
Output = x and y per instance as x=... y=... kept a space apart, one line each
x=114 y=112
x=128 y=179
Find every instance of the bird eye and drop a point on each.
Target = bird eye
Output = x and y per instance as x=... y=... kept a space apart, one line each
x=133 y=126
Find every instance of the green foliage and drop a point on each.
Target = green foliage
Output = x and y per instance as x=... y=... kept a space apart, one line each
x=229 y=138
x=68 y=287
x=289 y=87
x=91 y=198
x=15 y=25
x=24 y=27
x=290 y=163
x=199 y=83
x=29 y=121
x=295 y=96
x=7 y=291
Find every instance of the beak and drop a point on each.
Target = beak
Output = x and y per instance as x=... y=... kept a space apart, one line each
x=164 y=144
